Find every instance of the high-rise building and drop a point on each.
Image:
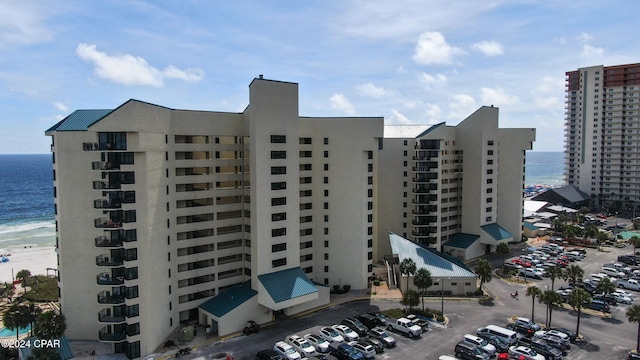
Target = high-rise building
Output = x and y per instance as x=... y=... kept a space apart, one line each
x=457 y=189
x=602 y=133
x=167 y=216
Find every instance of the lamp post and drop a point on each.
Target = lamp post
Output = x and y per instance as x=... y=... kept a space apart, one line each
x=442 y=295
x=546 y=322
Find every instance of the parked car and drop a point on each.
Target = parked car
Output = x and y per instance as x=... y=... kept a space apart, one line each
x=367 y=350
x=541 y=347
x=528 y=322
x=554 y=337
x=319 y=343
x=570 y=333
x=522 y=329
x=345 y=352
x=268 y=354
x=356 y=325
x=628 y=259
x=404 y=326
x=330 y=334
x=420 y=321
x=527 y=353
x=382 y=335
x=609 y=299
x=346 y=332
x=301 y=345
x=465 y=350
x=480 y=342
x=381 y=317
x=370 y=321
x=376 y=343
x=286 y=351
x=530 y=273
x=599 y=305
x=501 y=346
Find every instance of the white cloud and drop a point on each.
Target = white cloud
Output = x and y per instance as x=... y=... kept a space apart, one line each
x=548 y=93
x=21 y=22
x=585 y=38
x=497 y=96
x=372 y=91
x=342 y=103
x=398 y=118
x=60 y=106
x=432 y=48
x=431 y=80
x=591 y=51
x=434 y=113
x=489 y=48
x=461 y=106
x=132 y=70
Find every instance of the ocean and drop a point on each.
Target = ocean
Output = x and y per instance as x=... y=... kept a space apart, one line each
x=26 y=195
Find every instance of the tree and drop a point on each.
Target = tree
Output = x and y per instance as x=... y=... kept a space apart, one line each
x=633 y=315
x=32 y=313
x=410 y=298
x=554 y=272
x=503 y=250
x=483 y=270
x=573 y=274
x=551 y=299
x=23 y=275
x=408 y=268
x=422 y=280
x=7 y=290
x=605 y=286
x=635 y=242
x=534 y=292
x=50 y=325
x=44 y=354
x=16 y=318
x=577 y=299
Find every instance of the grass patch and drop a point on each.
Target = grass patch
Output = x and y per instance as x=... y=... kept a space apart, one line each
x=43 y=289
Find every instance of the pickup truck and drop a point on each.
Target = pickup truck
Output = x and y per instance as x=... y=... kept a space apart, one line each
x=631 y=284
x=404 y=326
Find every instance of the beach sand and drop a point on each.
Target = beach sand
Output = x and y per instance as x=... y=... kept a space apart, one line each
x=35 y=259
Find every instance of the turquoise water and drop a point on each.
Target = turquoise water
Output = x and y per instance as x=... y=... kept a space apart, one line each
x=4 y=332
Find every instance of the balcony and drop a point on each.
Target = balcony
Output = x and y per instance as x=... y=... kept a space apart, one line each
x=107 y=223
x=107 y=204
x=105 y=315
x=105 y=297
x=104 y=241
x=112 y=335
x=105 y=260
x=107 y=279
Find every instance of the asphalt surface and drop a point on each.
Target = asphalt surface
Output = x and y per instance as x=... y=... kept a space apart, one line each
x=604 y=338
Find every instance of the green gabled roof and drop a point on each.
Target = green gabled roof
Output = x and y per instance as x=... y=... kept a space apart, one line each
x=80 y=120
x=462 y=240
x=430 y=129
x=496 y=231
x=287 y=284
x=229 y=299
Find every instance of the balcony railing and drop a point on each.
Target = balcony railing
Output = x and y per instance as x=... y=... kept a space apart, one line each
x=105 y=260
x=112 y=336
x=103 y=241
x=105 y=297
x=107 y=223
x=107 y=279
x=106 y=204
x=105 y=316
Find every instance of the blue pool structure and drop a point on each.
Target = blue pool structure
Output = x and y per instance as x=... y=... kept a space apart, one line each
x=4 y=332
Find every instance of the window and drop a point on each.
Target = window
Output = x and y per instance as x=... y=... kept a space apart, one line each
x=489 y=152
x=326 y=243
x=326 y=141
x=326 y=153
x=490 y=142
x=278 y=154
x=278 y=170
x=326 y=269
x=279 y=247
x=279 y=217
x=326 y=256
x=278 y=201
x=278 y=139
x=279 y=232
x=282 y=185
x=326 y=206
x=279 y=262
x=326 y=193
x=326 y=179
x=326 y=231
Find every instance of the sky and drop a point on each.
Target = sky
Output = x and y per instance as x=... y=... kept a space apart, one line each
x=409 y=61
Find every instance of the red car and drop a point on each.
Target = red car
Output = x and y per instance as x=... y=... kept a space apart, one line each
x=521 y=262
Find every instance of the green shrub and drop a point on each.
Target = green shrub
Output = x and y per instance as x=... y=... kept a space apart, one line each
x=346 y=288
x=376 y=282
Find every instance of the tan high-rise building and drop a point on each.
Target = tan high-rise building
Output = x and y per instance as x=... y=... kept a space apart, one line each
x=166 y=217
x=602 y=134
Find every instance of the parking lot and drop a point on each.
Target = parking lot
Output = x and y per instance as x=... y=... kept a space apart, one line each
x=605 y=338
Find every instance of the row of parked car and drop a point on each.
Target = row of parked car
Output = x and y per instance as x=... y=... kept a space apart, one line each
x=535 y=263
x=357 y=338
x=522 y=339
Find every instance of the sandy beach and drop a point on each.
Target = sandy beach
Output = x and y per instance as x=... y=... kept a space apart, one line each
x=35 y=259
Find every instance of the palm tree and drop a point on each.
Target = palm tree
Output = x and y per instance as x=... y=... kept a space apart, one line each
x=635 y=241
x=554 y=272
x=50 y=325
x=605 y=286
x=410 y=298
x=502 y=249
x=422 y=280
x=534 y=292
x=32 y=313
x=16 y=318
x=408 y=268
x=573 y=274
x=483 y=270
x=23 y=275
x=551 y=299
x=633 y=315
x=577 y=299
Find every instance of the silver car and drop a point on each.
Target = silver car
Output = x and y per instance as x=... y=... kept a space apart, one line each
x=318 y=342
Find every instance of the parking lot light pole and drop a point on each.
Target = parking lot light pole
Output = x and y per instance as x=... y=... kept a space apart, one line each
x=546 y=322
x=442 y=295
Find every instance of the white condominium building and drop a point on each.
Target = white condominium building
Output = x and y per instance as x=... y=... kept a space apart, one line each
x=166 y=217
x=457 y=189
x=602 y=134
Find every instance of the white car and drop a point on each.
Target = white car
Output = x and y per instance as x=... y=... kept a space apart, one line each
x=286 y=351
x=530 y=273
x=301 y=345
x=527 y=353
x=318 y=342
x=624 y=293
x=368 y=351
x=346 y=332
x=554 y=334
x=621 y=298
x=479 y=342
x=330 y=334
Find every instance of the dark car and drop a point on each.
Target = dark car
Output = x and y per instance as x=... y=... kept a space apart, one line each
x=633 y=355
x=269 y=354
x=345 y=352
x=570 y=333
x=370 y=321
x=381 y=317
x=356 y=326
x=376 y=343
x=541 y=347
x=609 y=299
x=526 y=330
x=628 y=259
x=501 y=345
x=599 y=305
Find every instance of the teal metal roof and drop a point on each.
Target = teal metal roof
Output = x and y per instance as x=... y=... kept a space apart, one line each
x=438 y=264
x=530 y=226
x=80 y=120
x=287 y=284
x=430 y=129
x=64 y=350
x=229 y=299
x=462 y=240
x=496 y=231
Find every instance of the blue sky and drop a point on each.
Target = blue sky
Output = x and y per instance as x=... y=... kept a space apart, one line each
x=411 y=61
